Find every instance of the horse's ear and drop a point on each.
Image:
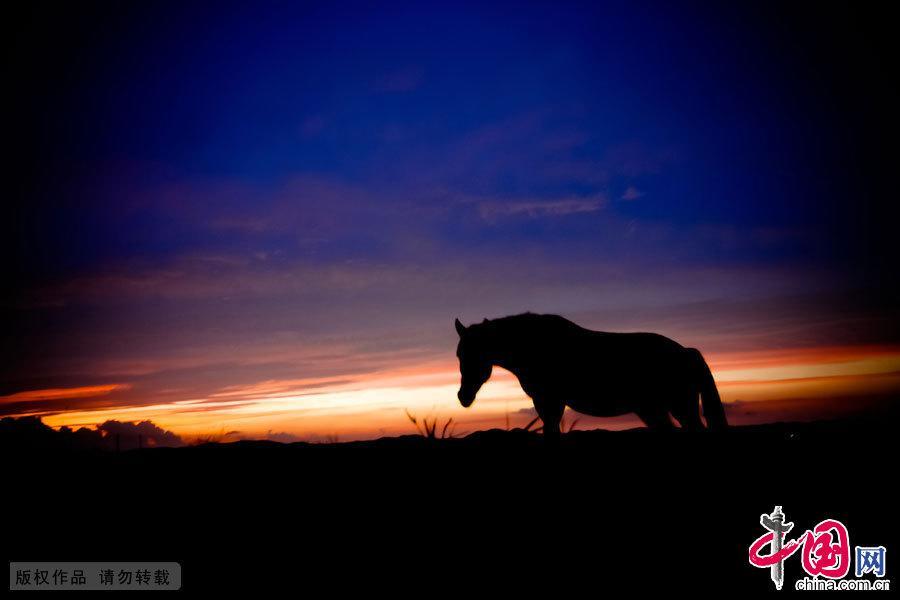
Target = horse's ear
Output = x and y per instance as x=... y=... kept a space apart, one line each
x=460 y=328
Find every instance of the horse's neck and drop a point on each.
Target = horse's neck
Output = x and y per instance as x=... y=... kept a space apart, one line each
x=508 y=353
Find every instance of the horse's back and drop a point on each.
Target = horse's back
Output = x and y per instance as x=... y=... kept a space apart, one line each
x=630 y=346
x=625 y=340
x=564 y=342
x=617 y=368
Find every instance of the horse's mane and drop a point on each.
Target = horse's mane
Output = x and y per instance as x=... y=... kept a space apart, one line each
x=528 y=323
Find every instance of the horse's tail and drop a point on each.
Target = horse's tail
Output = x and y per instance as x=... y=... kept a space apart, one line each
x=709 y=395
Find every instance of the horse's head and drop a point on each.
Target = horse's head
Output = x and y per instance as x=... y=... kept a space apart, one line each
x=474 y=364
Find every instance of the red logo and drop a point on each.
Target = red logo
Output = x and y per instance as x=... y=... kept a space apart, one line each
x=824 y=549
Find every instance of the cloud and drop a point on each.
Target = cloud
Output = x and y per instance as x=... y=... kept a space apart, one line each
x=632 y=193
x=87 y=391
x=31 y=432
x=491 y=211
x=132 y=435
x=283 y=437
x=209 y=330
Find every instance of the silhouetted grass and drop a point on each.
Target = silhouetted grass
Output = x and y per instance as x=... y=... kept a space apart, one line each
x=429 y=428
x=209 y=438
x=531 y=424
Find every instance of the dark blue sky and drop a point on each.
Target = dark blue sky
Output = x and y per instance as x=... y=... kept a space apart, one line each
x=195 y=179
x=712 y=117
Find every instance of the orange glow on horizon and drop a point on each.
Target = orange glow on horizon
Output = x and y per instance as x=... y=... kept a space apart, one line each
x=374 y=404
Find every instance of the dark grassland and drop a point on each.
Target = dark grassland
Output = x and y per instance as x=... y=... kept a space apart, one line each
x=496 y=511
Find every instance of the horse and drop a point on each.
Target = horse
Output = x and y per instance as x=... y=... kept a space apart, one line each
x=597 y=373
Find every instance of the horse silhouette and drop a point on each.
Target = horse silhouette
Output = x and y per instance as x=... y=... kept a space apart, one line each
x=559 y=364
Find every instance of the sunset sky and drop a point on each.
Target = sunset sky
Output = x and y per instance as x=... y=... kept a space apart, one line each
x=261 y=220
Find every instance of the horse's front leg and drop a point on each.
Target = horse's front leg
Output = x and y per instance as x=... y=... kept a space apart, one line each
x=550 y=411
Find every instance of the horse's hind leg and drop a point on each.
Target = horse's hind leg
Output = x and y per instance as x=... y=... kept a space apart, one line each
x=687 y=411
x=656 y=418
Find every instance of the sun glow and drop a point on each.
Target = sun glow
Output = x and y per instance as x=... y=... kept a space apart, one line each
x=375 y=404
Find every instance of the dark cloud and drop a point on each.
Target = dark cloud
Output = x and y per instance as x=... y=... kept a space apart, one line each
x=31 y=432
x=132 y=435
x=283 y=437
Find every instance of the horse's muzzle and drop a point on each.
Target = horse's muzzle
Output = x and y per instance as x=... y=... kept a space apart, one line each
x=465 y=399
